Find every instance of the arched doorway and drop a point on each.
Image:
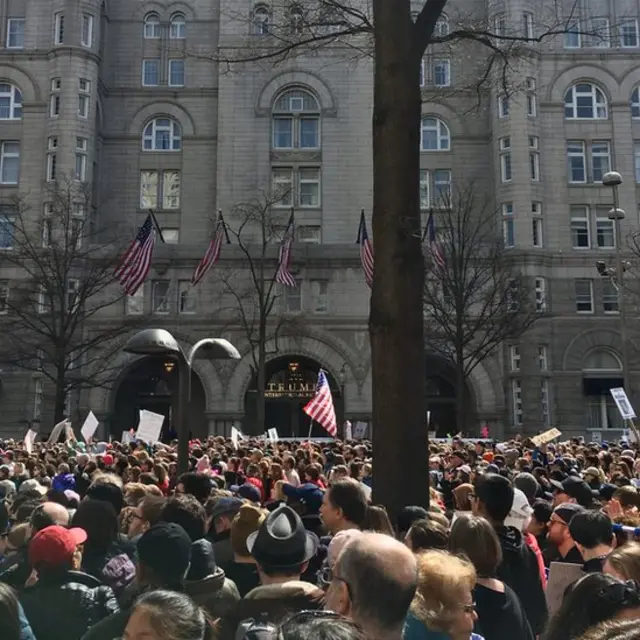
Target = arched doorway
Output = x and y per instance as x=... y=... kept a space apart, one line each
x=152 y=384
x=291 y=383
x=602 y=371
x=441 y=394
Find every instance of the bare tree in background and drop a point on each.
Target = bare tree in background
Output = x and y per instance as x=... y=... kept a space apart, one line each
x=61 y=279
x=476 y=295
x=257 y=227
x=396 y=34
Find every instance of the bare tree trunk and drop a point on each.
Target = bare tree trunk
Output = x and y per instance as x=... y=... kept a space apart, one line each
x=401 y=475
x=60 y=389
x=262 y=378
x=461 y=396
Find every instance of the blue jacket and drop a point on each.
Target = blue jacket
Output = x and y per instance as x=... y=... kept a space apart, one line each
x=25 y=627
x=414 y=629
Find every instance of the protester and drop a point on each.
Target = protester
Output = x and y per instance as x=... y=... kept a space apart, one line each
x=559 y=534
x=624 y=562
x=427 y=534
x=592 y=531
x=13 y=623
x=344 y=506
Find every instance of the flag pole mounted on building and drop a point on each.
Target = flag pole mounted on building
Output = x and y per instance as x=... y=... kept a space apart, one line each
x=434 y=246
x=283 y=273
x=213 y=251
x=135 y=264
x=366 y=250
x=320 y=408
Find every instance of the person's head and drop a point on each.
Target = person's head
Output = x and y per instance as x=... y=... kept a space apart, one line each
x=145 y=515
x=9 y=614
x=528 y=484
x=186 y=511
x=476 y=538
x=164 y=555
x=407 y=516
x=56 y=549
x=492 y=497
x=107 y=489
x=591 y=530
x=614 y=630
x=593 y=599
x=17 y=538
x=48 y=514
x=166 y=615
x=542 y=511
x=558 y=527
x=377 y=519
x=461 y=496
x=444 y=599
x=197 y=484
x=134 y=493
x=99 y=520
x=221 y=511
x=373 y=583
x=624 y=562
x=246 y=521
x=344 y=505
x=427 y=534
x=319 y=625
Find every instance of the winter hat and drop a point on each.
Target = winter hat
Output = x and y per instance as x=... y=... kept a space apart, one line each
x=527 y=483
x=203 y=465
x=521 y=511
x=203 y=562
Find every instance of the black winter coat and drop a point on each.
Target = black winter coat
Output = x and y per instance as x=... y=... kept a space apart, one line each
x=63 y=605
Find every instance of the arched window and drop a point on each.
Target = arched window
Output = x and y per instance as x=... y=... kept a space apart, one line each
x=162 y=134
x=602 y=360
x=296 y=120
x=434 y=135
x=585 y=101
x=442 y=27
x=296 y=19
x=261 y=20
x=151 y=26
x=635 y=103
x=10 y=102
x=177 y=27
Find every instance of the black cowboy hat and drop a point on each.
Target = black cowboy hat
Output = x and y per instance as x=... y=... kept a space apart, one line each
x=282 y=540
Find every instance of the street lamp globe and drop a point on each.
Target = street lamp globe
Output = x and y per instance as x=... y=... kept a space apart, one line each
x=616 y=214
x=152 y=342
x=611 y=179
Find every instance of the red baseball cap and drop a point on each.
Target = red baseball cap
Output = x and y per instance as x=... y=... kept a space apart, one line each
x=107 y=459
x=54 y=546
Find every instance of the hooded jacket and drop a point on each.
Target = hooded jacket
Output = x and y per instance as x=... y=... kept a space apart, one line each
x=519 y=570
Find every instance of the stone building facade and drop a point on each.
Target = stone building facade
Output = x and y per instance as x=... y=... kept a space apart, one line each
x=138 y=90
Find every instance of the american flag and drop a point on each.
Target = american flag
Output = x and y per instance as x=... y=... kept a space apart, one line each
x=434 y=245
x=136 y=262
x=212 y=254
x=283 y=274
x=320 y=407
x=366 y=250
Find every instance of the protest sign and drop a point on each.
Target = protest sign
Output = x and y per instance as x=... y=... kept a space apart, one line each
x=89 y=427
x=236 y=436
x=348 y=435
x=546 y=437
x=150 y=426
x=273 y=435
x=29 y=439
x=561 y=575
x=57 y=430
x=624 y=406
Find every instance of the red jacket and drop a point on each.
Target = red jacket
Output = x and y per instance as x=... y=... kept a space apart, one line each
x=532 y=543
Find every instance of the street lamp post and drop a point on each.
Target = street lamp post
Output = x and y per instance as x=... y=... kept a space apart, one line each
x=613 y=179
x=342 y=379
x=159 y=342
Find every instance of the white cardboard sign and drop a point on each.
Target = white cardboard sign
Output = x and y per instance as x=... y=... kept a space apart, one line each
x=89 y=427
x=29 y=439
x=150 y=426
x=624 y=406
x=273 y=435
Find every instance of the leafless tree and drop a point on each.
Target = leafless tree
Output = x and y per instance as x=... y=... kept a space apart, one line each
x=476 y=296
x=61 y=279
x=257 y=228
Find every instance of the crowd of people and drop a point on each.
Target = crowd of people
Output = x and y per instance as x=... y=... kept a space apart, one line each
x=281 y=541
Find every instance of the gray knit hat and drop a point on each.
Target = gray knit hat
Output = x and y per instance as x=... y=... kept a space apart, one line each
x=527 y=483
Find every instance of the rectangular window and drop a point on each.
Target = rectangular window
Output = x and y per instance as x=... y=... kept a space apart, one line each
x=15 y=33
x=9 y=162
x=47 y=225
x=508 y=226
x=636 y=160
x=572 y=37
x=86 y=39
x=503 y=106
x=584 y=295
x=38 y=393
x=84 y=85
x=171 y=190
x=54 y=105
x=83 y=106
x=605 y=231
x=600 y=33
x=544 y=402
x=534 y=165
x=58 y=34
x=176 y=73
x=150 y=73
x=576 y=159
x=4 y=296
x=319 y=296
x=291 y=299
x=422 y=63
x=283 y=133
x=540 y=289
x=311 y=234
x=308 y=136
x=6 y=232
x=309 y=187
x=629 y=33
x=543 y=363
x=73 y=290
x=441 y=73
x=82 y=146
x=532 y=107
x=187 y=302
x=506 y=171
x=514 y=357
x=580 y=232
x=442 y=188
x=424 y=189
x=536 y=224
x=516 y=401
x=500 y=24
x=600 y=159
x=148 y=189
x=160 y=297
x=43 y=300
x=171 y=236
x=527 y=24
x=282 y=184
x=134 y=305
x=610 y=297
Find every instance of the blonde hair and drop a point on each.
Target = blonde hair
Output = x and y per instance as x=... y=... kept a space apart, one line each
x=107 y=478
x=625 y=560
x=442 y=580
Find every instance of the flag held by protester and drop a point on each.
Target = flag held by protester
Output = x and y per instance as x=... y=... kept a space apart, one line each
x=213 y=251
x=283 y=273
x=320 y=407
x=366 y=250
x=135 y=264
